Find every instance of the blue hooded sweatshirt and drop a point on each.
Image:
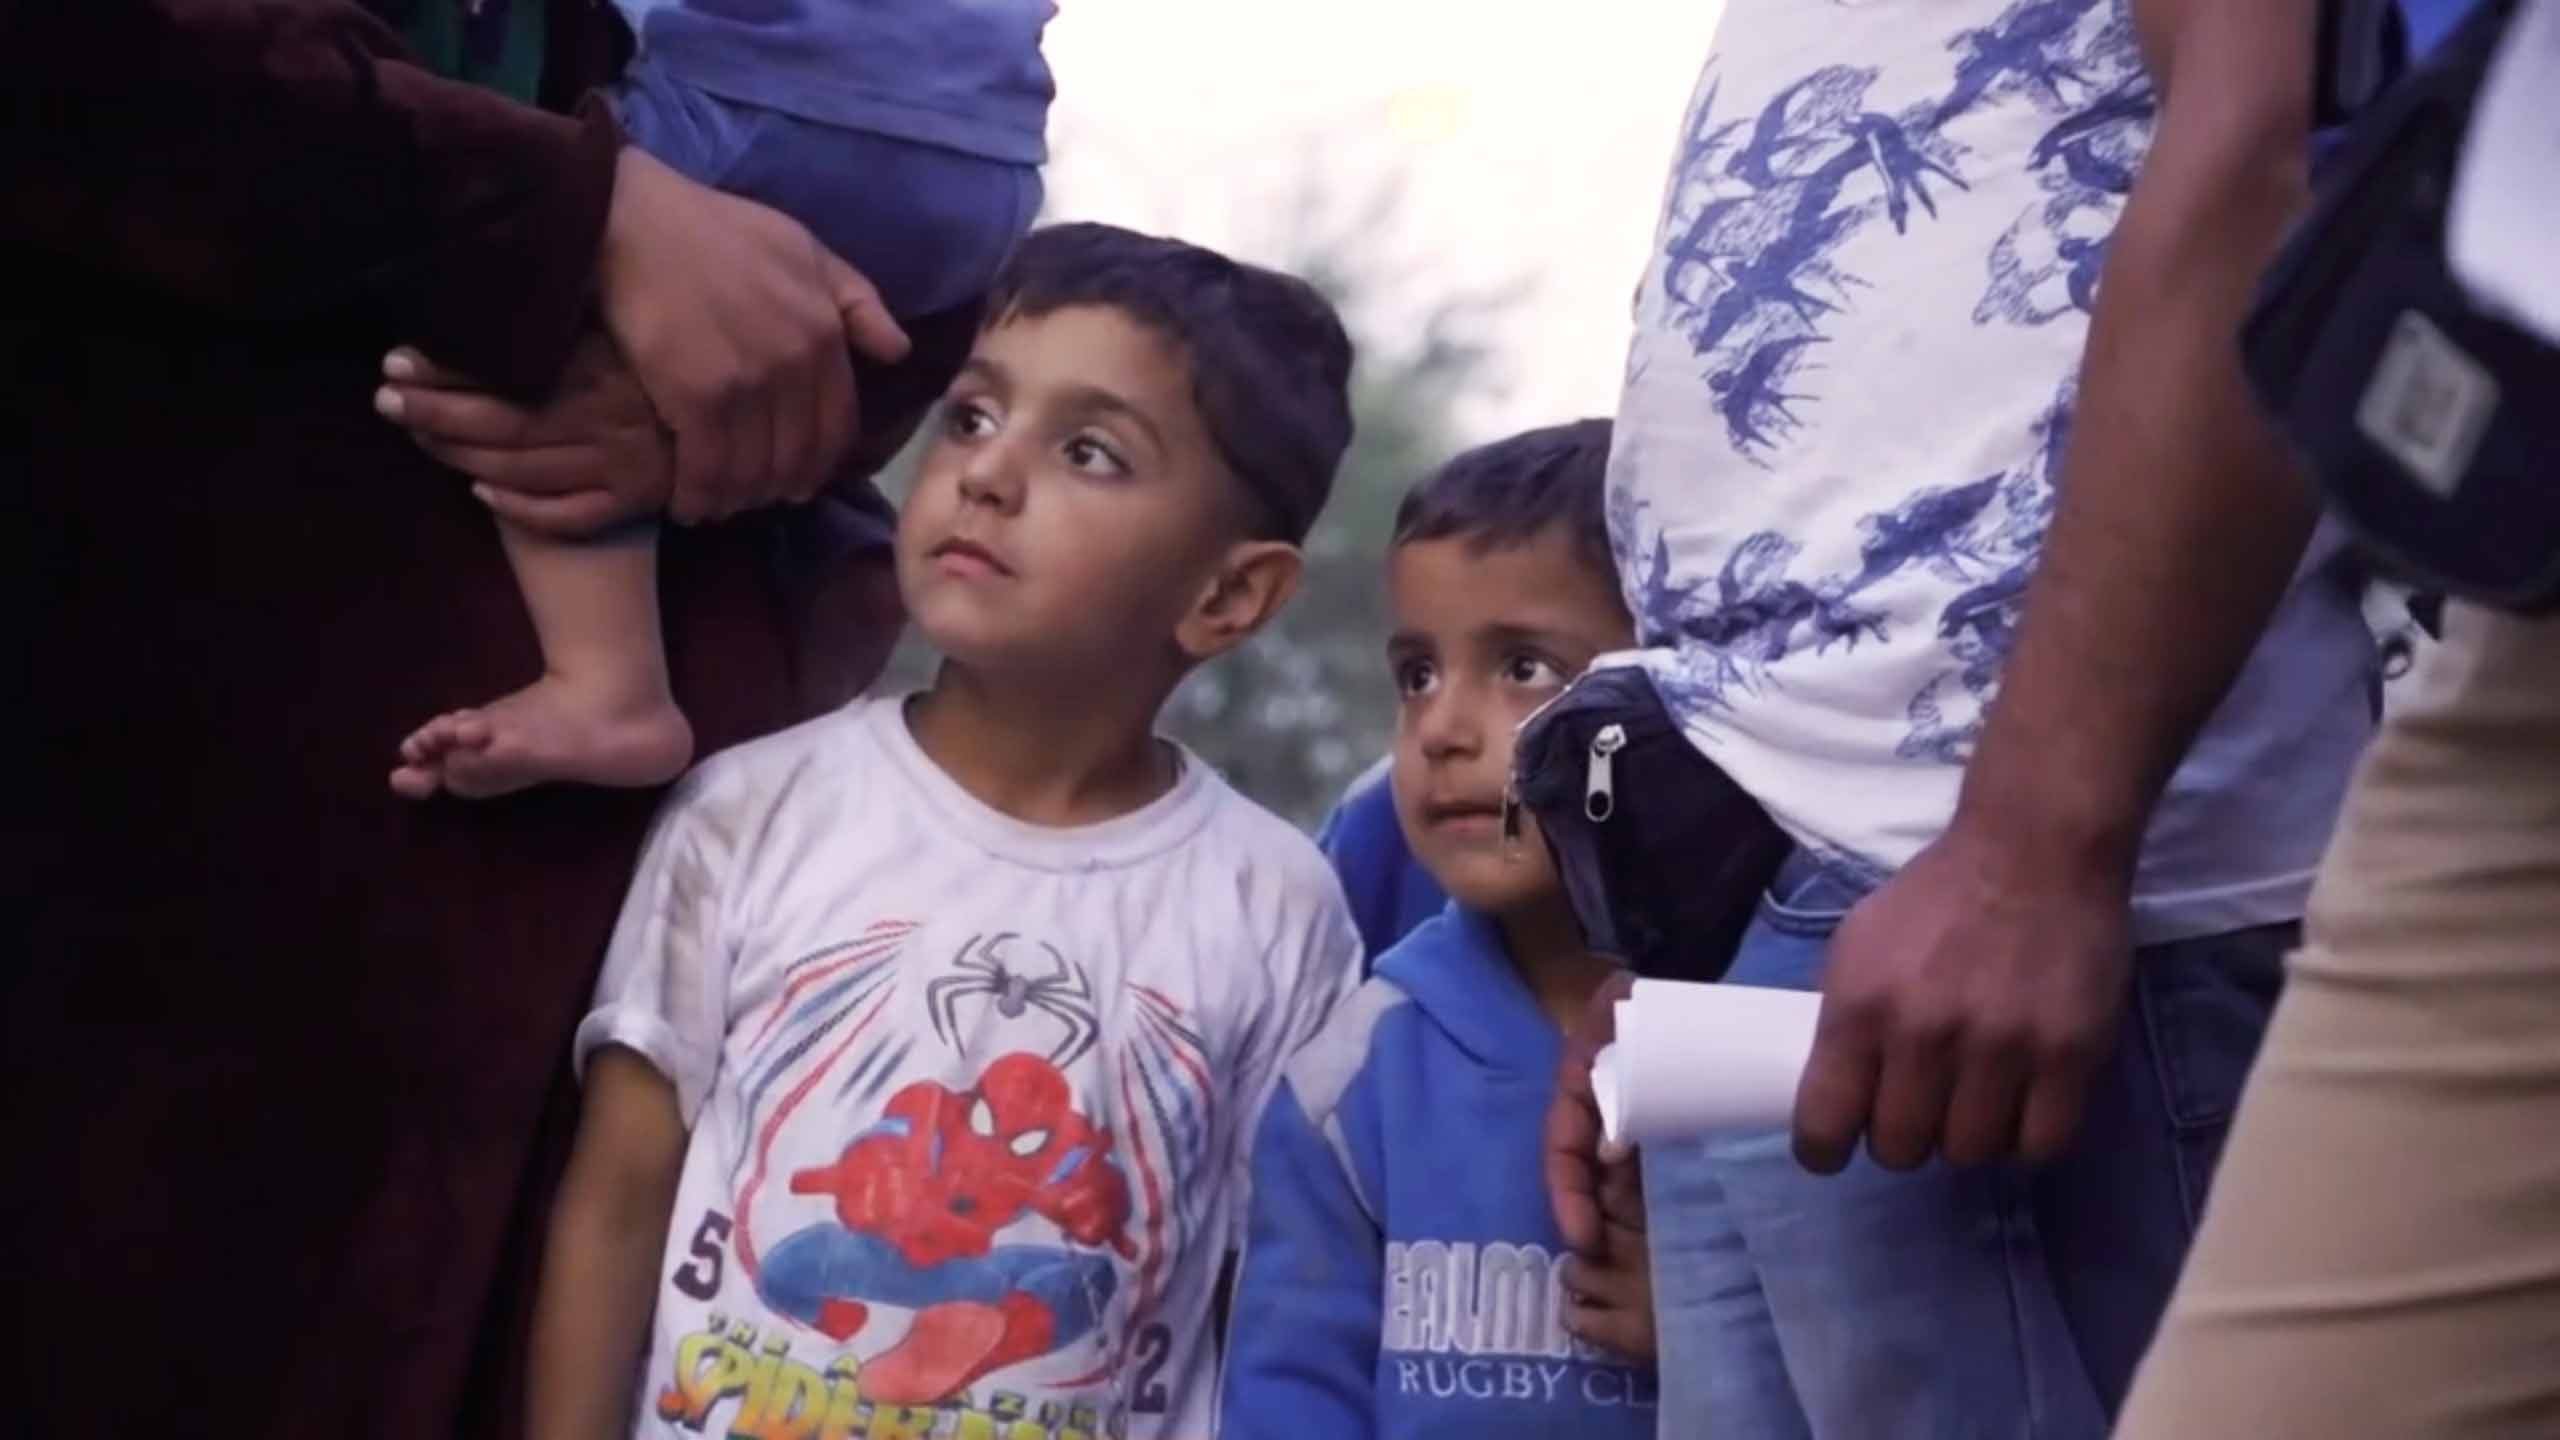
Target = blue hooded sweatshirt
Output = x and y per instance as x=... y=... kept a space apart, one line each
x=1389 y=891
x=1402 y=1272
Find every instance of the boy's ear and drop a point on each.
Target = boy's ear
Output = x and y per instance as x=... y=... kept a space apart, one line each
x=1251 y=585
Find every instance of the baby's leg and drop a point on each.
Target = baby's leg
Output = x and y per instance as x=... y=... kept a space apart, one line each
x=602 y=712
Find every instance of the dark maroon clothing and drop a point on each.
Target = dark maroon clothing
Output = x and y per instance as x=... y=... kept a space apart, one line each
x=285 y=1067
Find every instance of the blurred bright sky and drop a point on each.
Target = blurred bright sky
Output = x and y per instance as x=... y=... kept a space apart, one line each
x=1531 y=138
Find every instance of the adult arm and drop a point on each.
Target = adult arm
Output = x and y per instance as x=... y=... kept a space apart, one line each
x=600 y=1265
x=1302 y=1340
x=265 y=160
x=261 y=160
x=1968 y=1000
x=724 y=384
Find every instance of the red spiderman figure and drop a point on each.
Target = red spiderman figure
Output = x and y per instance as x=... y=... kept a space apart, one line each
x=920 y=1198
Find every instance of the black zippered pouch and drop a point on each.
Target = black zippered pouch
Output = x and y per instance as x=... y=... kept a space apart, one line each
x=1663 y=856
x=2364 y=45
x=2429 y=423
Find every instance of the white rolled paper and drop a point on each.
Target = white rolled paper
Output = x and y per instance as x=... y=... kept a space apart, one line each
x=1692 y=1060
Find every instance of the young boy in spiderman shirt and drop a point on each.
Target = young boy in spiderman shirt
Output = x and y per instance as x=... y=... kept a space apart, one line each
x=919 y=1071
x=1404 y=1276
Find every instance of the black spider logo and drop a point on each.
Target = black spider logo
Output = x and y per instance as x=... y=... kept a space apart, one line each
x=1065 y=993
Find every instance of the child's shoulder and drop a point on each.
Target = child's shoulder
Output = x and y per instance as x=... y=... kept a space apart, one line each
x=1268 y=853
x=1382 y=1014
x=774 y=767
x=1323 y=1069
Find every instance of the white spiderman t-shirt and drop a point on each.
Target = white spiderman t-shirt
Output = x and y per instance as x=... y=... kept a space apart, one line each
x=968 y=1097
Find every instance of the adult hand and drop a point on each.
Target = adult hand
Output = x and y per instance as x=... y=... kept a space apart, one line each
x=1593 y=1186
x=1965 y=1004
x=1597 y=1191
x=591 y=457
x=737 y=322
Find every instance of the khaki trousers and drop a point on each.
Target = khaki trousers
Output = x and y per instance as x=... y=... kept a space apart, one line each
x=2380 y=1256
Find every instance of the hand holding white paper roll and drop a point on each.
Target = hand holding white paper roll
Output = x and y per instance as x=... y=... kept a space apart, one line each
x=1692 y=1060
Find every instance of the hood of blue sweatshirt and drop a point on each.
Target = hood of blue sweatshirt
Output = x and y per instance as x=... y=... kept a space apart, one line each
x=1457 y=970
x=1402 y=1271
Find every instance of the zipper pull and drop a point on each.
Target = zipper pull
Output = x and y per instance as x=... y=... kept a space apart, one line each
x=1599 y=796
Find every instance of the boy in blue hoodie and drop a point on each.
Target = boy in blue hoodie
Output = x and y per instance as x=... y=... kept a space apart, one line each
x=1403 y=1276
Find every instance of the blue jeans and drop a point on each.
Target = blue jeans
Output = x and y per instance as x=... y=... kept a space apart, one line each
x=929 y=226
x=1994 y=1301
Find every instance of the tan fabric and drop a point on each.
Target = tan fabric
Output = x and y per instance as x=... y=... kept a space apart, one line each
x=2381 y=1255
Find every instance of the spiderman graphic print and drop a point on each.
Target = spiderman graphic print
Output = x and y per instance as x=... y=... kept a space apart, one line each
x=920 y=1198
x=964 y=1097
x=946 y=1229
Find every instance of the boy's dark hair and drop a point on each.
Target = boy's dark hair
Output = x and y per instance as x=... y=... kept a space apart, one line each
x=1508 y=493
x=1270 y=364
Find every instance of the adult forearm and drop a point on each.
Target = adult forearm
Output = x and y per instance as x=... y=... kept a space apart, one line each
x=2180 y=520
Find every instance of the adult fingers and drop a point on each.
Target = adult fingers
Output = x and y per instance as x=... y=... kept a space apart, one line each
x=2055 y=1097
x=410 y=366
x=739 y=401
x=794 y=446
x=703 y=450
x=574 y=516
x=751 y=414
x=459 y=417
x=812 y=421
x=835 y=422
x=1983 y=1114
x=548 y=470
x=609 y=400
x=868 y=325
x=1918 y=1075
x=596 y=355
x=1837 y=1094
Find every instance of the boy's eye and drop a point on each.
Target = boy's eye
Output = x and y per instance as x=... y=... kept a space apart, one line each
x=1416 y=677
x=1092 y=456
x=968 y=420
x=1527 y=669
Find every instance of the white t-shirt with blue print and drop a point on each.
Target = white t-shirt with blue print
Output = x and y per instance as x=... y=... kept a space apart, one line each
x=1847 y=402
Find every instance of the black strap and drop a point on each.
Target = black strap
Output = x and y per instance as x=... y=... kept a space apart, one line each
x=2364 y=46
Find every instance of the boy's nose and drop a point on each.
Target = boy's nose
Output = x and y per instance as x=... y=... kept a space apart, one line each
x=992 y=478
x=1450 y=728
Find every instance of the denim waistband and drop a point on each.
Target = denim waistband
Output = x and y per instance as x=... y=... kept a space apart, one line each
x=1813 y=885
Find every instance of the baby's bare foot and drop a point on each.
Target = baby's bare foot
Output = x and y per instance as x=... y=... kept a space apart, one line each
x=551 y=730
